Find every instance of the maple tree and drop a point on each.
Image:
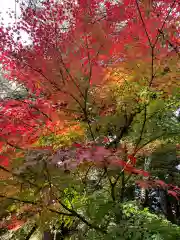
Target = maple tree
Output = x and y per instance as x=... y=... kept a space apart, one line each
x=102 y=82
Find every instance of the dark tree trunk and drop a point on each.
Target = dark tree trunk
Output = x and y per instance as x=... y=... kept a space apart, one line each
x=145 y=199
x=48 y=236
x=163 y=200
x=170 y=215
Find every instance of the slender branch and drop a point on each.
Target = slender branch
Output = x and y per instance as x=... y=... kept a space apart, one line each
x=48 y=174
x=71 y=77
x=73 y=97
x=89 y=125
x=72 y=212
x=118 y=177
x=37 y=109
x=160 y=30
x=35 y=203
x=152 y=66
x=54 y=84
x=144 y=25
x=127 y=179
x=13 y=146
x=18 y=176
x=123 y=130
x=34 y=228
x=44 y=114
x=112 y=185
x=175 y=48
x=19 y=200
x=57 y=87
x=151 y=140
x=89 y=60
x=142 y=129
x=156 y=40
x=60 y=213
x=150 y=44
x=99 y=181
x=38 y=71
x=157 y=37
x=87 y=89
x=122 y=186
x=75 y=214
x=86 y=174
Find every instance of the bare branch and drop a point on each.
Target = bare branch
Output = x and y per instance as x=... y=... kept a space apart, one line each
x=34 y=228
x=144 y=25
x=75 y=214
x=160 y=30
x=142 y=129
x=175 y=48
x=18 y=176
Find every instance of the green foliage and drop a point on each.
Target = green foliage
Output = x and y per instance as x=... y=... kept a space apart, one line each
x=164 y=162
x=85 y=198
x=23 y=232
x=60 y=140
x=137 y=224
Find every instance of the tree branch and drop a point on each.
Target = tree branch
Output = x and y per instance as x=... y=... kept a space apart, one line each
x=152 y=66
x=19 y=200
x=35 y=203
x=166 y=18
x=123 y=130
x=18 y=176
x=144 y=25
x=34 y=228
x=112 y=185
x=142 y=129
x=151 y=140
x=175 y=48
x=75 y=214
x=122 y=186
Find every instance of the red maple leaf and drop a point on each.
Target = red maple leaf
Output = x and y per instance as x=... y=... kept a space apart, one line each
x=4 y=161
x=132 y=159
x=173 y=193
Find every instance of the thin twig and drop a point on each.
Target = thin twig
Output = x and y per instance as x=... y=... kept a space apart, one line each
x=151 y=140
x=18 y=176
x=175 y=48
x=112 y=185
x=152 y=66
x=74 y=213
x=19 y=200
x=166 y=18
x=142 y=129
x=35 y=203
x=144 y=25
x=34 y=228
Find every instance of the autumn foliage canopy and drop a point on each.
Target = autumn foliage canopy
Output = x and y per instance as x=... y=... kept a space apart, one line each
x=98 y=75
